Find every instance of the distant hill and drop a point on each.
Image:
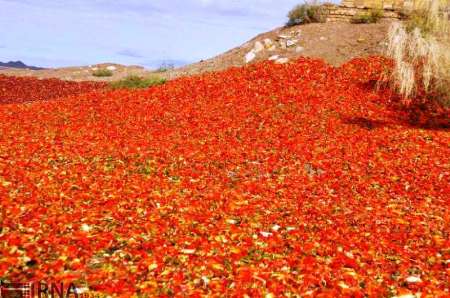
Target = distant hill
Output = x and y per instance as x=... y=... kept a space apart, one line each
x=18 y=64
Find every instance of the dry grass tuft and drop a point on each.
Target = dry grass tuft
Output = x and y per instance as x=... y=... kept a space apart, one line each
x=370 y=17
x=421 y=51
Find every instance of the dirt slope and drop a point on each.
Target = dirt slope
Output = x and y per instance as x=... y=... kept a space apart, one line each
x=336 y=43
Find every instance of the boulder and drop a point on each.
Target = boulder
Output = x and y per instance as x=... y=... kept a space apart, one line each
x=274 y=57
x=250 y=56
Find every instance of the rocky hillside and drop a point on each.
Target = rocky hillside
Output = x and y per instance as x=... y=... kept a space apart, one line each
x=336 y=43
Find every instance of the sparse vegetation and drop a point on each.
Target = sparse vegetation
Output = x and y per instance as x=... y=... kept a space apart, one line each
x=370 y=17
x=429 y=17
x=420 y=49
x=102 y=72
x=136 y=82
x=165 y=67
x=309 y=12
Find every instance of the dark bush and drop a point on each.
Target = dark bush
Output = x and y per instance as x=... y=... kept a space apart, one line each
x=370 y=17
x=102 y=72
x=306 y=13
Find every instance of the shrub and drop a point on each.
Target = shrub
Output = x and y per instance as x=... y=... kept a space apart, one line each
x=420 y=49
x=362 y=18
x=376 y=14
x=165 y=67
x=372 y=16
x=306 y=13
x=429 y=18
x=136 y=82
x=102 y=72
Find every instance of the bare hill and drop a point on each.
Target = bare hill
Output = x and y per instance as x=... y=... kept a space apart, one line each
x=336 y=43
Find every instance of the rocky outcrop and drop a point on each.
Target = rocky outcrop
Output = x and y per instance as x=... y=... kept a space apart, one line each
x=345 y=12
x=379 y=4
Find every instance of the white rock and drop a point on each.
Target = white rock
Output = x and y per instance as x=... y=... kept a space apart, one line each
x=290 y=229
x=299 y=49
x=111 y=67
x=323 y=38
x=274 y=57
x=413 y=279
x=291 y=42
x=284 y=36
x=259 y=47
x=282 y=60
x=250 y=56
x=268 y=42
x=265 y=234
x=275 y=228
x=231 y=221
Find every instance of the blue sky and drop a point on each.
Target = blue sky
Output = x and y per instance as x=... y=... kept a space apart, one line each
x=81 y=32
